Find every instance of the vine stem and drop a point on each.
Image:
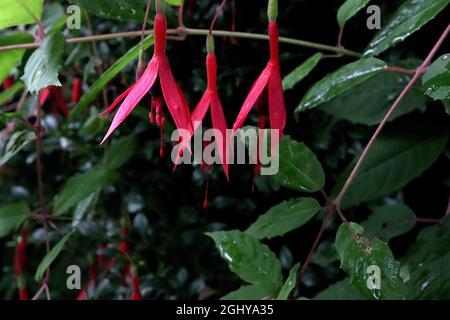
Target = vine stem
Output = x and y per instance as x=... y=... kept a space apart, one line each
x=194 y=32
x=418 y=73
x=326 y=219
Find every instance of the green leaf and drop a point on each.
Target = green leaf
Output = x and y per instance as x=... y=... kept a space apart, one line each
x=340 y=81
x=447 y=105
x=106 y=77
x=16 y=143
x=396 y=158
x=299 y=168
x=174 y=2
x=53 y=18
x=41 y=70
x=10 y=59
x=284 y=217
x=51 y=257
x=436 y=81
x=119 y=152
x=341 y=290
x=250 y=292
x=7 y=95
x=390 y=221
x=11 y=216
x=290 y=283
x=360 y=105
x=358 y=253
x=410 y=17
x=121 y=10
x=15 y=12
x=251 y=260
x=80 y=186
x=349 y=9
x=428 y=263
x=299 y=73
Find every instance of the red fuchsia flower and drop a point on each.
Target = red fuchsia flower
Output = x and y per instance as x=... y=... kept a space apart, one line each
x=211 y=101
x=8 y=82
x=76 y=90
x=56 y=98
x=135 y=286
x=157 y=69
x=19 y=263
x=268 y=87
x=91 y=283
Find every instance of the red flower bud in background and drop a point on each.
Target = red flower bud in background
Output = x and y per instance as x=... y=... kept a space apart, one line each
x=8 y=82
x=56 y=98
x=135 y=286
x=76 y=90
x=20 y=261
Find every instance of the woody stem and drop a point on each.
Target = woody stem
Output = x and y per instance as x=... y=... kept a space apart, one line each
x=195 y=32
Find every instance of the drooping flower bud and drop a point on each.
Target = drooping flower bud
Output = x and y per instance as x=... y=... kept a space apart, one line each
x=210 y=43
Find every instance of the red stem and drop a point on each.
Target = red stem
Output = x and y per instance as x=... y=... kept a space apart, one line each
x=418 y=73
x=216 y=16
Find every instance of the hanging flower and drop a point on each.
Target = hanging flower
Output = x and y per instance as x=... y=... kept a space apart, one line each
x=268 y=88
x=54 y=95
x=76 y=90
x=157 y=69
x=211 y=101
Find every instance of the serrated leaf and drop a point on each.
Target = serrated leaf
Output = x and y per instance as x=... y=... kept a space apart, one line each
x=10 y=59
x=340 y=81
x=290 y=283
x=51 y=257
x=358 y=253
x=436 y=81
x=106 y=77
x=390 y=221
x=250 y=292
x=119 y=152
x=41 y=70
x=16 y=143
x=341 y=290
x=251 y=260
x=284 y=217
x=410 y=17
x=396 y=158
x=349 y=9
x=360 y=105
x=11 y=216
x=81 y=186
x=299 y=73
x=15 y=12
x=299 y=168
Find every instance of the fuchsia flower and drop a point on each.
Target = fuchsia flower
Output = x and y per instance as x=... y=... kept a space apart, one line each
x=56 y=98
x=211 y=101
x=268 y=88
x=157 y=69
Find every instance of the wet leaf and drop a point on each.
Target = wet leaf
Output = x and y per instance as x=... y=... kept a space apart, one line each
x=299 y=168
x=299 y=73
x=284 y=217
x=290 y=283
x=349 y=9
x=410 y=17
x=251 y=260
x=340 y=81
x=436 y=81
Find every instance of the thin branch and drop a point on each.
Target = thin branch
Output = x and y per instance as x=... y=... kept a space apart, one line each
x=400 y=70
x=418 y=73
x=194 y=32
x=427 y=220
x=331 y=210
